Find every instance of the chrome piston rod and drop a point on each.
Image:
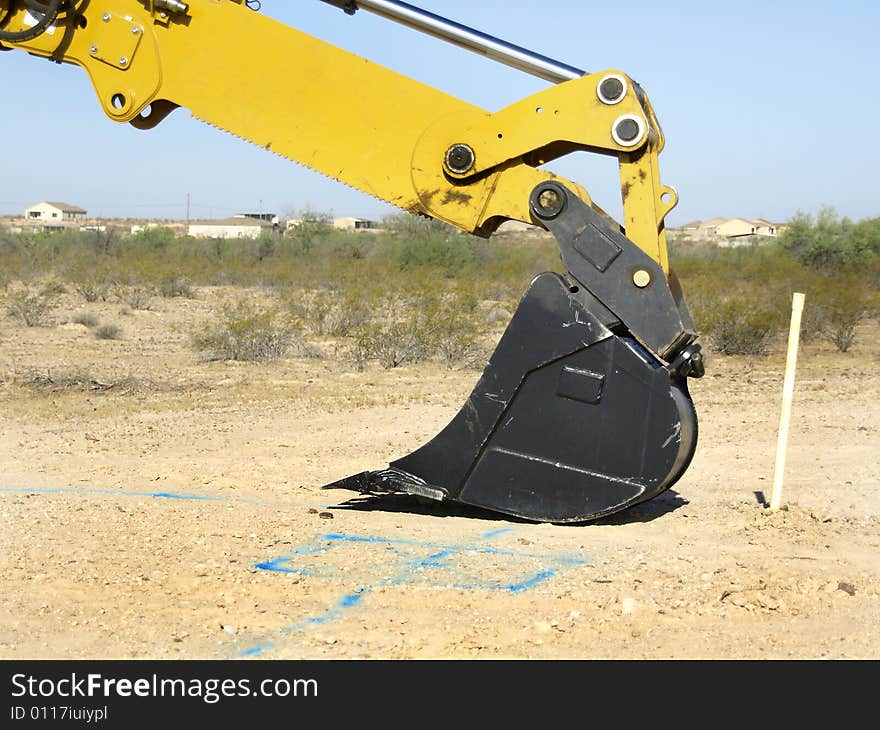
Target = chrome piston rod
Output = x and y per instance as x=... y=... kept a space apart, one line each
x=461 y=35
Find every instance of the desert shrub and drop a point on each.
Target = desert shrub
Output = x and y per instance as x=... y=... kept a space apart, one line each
x=419 y=242
x=312 y=228
x=337 y=312
x=353 y=309
x=53 y=287
x=264 y=247
x=313 y=309
x=812 y=321
x=152 y=238
x=136 y=297
x=87 y=319
x=392 y=343
x=29 y=306
x=92 y=289
x=414 y=326
x=108 y=332
x=506 y=269
x=92 y=277
x=453 y=336
x=177 y=286
x=840 y=303
x=248 y=333
x=451 y=253
x=741 y=324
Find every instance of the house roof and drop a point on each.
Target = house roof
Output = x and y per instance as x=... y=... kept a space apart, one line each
x=234 y=221
x=64 y=207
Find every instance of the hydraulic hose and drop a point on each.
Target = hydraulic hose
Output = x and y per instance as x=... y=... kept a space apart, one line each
x=50 y=12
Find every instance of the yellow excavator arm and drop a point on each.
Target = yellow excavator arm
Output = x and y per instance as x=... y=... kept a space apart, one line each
x=352 y=120
x=430 y=153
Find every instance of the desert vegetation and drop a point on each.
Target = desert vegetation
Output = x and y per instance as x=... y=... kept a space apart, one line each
x=419 y=290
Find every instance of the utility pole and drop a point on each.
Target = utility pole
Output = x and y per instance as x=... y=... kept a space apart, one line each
x=187 y=214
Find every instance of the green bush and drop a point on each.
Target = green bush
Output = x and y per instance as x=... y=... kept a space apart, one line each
x=451 y=254
x=248 y=333
x=419 y=325
x=830 y=243
x=741 y=324
x=312 y=229
x=337 y=311
x=152 y=238
x=840 y=303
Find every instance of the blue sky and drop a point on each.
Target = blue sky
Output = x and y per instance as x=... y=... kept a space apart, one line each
x=768 y=108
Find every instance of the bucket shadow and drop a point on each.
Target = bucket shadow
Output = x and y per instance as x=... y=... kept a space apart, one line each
x=662 y=504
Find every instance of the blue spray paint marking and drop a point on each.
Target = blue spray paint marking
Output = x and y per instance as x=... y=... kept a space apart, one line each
x=155 y=495
x=439 y=560
x=119 y=492
x=411 y=564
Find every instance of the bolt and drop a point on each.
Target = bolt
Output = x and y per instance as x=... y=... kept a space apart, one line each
x=611 y=89
x=123 y=61
x=135 y=29
x=627 y=129
x=641 y=278
x=163 y=15
x=460 y=158
x=106 y=17
x=548 y=199
x=93 y=49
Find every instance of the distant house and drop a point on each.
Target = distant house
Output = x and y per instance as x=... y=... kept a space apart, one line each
x=268 y=217
x=355 y=224
x=766 y=228
x=710 y=227
x=727 y=232
x=737 y=227
x=54 y=215
x=691 y=227
x=235 y=227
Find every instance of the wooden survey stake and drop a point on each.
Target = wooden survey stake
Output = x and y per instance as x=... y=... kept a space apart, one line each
x=797 y=307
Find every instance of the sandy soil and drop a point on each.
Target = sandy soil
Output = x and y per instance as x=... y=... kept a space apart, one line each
x=155 y=505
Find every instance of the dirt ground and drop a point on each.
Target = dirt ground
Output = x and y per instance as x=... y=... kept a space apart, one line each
x=154 y=505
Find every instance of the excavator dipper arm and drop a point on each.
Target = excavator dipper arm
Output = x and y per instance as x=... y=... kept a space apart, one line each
x=583 y=408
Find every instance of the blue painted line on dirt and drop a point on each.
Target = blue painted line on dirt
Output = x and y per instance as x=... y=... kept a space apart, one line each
x=539 y=577
x=440 y=559
x=119 y=492
x=156 y=495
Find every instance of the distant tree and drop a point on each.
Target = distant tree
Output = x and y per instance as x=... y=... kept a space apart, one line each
x=311 y=227
x=154 y=238
x=830 y=243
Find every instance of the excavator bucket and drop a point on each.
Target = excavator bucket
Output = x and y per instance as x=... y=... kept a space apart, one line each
x=573 y=417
